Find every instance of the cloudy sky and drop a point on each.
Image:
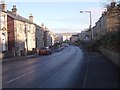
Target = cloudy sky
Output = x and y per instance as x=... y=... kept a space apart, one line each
x=60 y=15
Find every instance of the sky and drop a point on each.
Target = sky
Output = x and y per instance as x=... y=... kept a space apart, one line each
x=60 y=16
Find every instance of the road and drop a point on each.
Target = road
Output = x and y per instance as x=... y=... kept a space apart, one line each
x=67 y=68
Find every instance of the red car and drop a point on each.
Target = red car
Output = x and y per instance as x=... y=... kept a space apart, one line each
x=45 y=51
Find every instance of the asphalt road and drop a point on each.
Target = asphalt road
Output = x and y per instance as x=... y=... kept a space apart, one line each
x=58 y=70
x=67 y=68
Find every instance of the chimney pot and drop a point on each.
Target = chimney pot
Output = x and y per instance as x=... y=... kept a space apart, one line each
x=31 y=18
x=113 y=3
x=3 y=7
x=14 y=10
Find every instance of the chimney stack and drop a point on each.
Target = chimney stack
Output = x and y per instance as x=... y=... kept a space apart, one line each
x=3 y=6
x=42 y=24
x=31 y=18
x=14 y=10
x=113 y=3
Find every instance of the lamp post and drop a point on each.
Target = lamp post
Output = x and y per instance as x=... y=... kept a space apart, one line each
x=90 y=22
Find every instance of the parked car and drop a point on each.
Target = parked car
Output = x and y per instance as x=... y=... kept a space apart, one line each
x=45 y=51
x=67 y=45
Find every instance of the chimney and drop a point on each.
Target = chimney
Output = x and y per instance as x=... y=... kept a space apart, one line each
x=42 y=24
x=3 y=6
x=14 y=10
x=31 y=18
x=113 y=3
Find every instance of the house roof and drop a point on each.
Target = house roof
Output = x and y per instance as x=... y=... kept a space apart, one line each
x=18 y=17
x=37 y=25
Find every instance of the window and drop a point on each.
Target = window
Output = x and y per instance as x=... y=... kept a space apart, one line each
x=3 y=34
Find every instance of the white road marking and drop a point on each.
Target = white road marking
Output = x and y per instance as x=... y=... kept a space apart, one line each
x=19 y=77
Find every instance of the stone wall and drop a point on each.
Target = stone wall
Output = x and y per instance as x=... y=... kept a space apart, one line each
x=113 y=56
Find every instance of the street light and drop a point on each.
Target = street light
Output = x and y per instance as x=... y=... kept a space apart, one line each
x=90 y=22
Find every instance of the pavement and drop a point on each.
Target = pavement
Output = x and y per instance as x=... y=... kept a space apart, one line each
x=101 y=72
x=19 y=58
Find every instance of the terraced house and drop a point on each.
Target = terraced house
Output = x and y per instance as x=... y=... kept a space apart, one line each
x=21 y=33
x=108 y=22
x=39 y=37
x=3 y=29
x=47 y=36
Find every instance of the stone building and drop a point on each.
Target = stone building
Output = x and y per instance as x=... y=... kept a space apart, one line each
x=3 y=29
x=113 y=14
x=74 y=38
x=85 y=36
x=108 y=22
x=47 y=38
x=21 y=33
x=66 y=36
x=53 y=37
x=58 y=38
x=39 y=37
